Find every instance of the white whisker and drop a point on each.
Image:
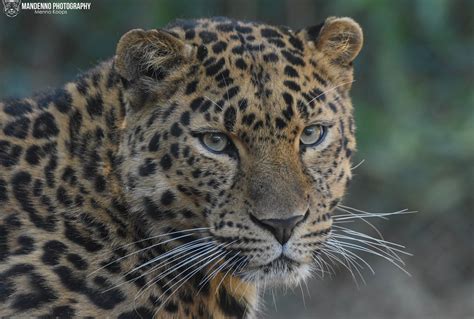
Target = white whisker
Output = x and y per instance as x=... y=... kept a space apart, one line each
x=186 y=277
x=196 y=255
x=368 y=215
x=333 y=257
x=328 y=90
x=351 y=254
x=217 y=105
x=138 y=251
x=370 y=251
x=357 y=165
x=164 y=235
x=374 y=243
x=173 y=253
x=186 y=247
x=230 y=268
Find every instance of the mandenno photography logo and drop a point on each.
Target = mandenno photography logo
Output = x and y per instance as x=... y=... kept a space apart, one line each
x=11 y=7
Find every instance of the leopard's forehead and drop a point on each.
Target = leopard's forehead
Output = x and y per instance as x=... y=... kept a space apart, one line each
x=262 y=43
x=269 y=72
x=213 y=30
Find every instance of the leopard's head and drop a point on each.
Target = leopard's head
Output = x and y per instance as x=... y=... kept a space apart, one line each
x=242 y=133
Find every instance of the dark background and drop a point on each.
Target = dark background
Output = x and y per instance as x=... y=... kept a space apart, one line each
x=414 y=104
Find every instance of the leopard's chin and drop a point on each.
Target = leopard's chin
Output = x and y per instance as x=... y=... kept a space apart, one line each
x=282 y=271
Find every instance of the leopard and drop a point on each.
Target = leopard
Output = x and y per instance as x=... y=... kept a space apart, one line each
x=173 y=180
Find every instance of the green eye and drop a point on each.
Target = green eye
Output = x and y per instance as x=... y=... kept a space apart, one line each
x=313 y=135
x=215 y=142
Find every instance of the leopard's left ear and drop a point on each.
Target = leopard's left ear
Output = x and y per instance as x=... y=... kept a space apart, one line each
x=340 y=39
x=150 y=54
x=150 y=63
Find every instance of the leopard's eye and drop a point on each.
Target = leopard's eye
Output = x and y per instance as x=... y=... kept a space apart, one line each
x=215 y=142
x=313 y=135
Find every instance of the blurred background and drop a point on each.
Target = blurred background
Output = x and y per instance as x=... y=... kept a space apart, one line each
x=414 y=105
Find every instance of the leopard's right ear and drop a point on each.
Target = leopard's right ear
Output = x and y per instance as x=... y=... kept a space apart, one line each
x=150 y=55
x=339 y=39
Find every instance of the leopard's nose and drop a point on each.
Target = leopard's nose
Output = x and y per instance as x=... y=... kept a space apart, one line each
x=280 y=228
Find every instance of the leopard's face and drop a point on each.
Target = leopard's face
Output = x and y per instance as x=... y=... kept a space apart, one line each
x=244 y=134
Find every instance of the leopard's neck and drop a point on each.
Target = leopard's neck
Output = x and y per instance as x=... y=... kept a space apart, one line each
x=85 y=177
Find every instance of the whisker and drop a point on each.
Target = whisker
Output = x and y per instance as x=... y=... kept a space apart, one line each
x=398 y=212
x=186 y=247
x=217 y=105
x=188 y=251
x=387 y=244
x=374 y=250
x=351 y=263
x=362 y=218
x=333 y=246
x=354 y=233
x=336 y=221
x=370 y=251
x=242 y=264
x=245 y=292
x=222 y=267
x=368 y=215
x=226 y=87
x=230 y=268
x=186 y=277
x=302 y=295
x=357 y=165
x=324 y=264
x=211 y=275
x=138 y=251
x=203 y=282
x=374 y=243
x=352 y=254
x=196 y=255
x=186 y=262
x=332 y=257
x=274 y=300
x=369 y=240
x=307 y=288
x=345 y=242
x=329 y=90
x=319 y=267
x=164 y=235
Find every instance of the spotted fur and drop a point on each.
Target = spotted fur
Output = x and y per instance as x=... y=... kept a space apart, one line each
x=92 y=173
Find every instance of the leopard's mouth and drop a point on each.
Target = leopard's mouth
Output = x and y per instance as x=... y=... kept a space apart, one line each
x=280 y=263
x=280 y=271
